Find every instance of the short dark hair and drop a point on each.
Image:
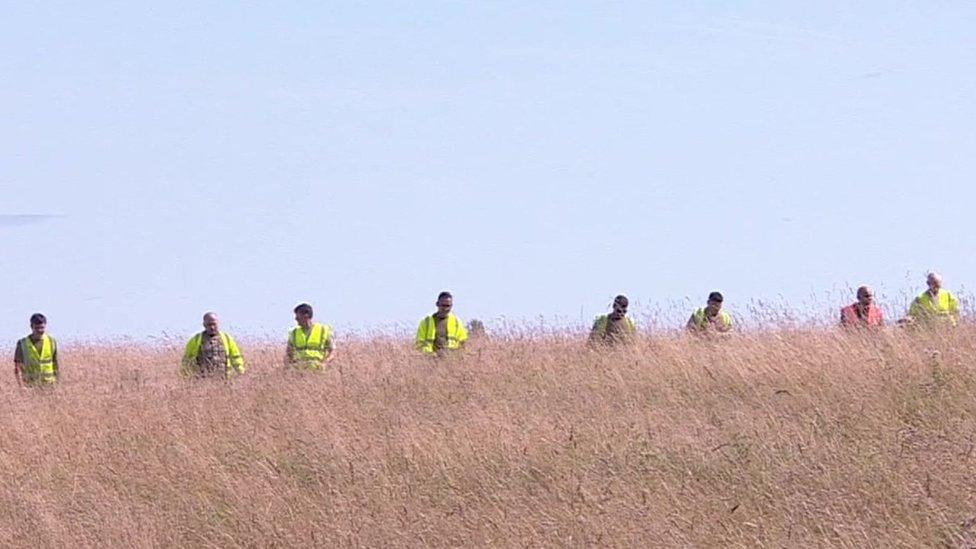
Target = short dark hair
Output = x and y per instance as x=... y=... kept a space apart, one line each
x=444 y=295
x=715 y=296
x=38 y=318
x=621 y=300
x=303 y=309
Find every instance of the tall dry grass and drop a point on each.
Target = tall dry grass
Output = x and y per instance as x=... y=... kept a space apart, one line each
x=778 y=439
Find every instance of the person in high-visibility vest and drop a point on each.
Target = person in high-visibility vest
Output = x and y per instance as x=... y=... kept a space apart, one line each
x=36 y=356
x=212 y=353
x=615 y=327
x=935 y=306
x=310 y=345
x=442 y=331
x=711 y=317
x=863 y=312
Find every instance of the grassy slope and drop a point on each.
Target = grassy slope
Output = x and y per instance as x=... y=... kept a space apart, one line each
x=779 y=439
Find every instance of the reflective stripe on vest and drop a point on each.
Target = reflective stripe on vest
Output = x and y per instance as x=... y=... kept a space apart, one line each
x=38 y=366
x=312 y=348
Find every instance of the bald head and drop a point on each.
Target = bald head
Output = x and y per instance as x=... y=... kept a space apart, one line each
x=934 y=280
x=211 y=324
x=865 y=295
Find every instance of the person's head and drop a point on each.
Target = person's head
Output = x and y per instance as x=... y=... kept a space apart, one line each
x=865 y=296
x=445 y=302
x=303 y=315
x=38 y=323
x=620 y=304
x=211 y=324
x=476 y=328
x=714 y=303
x=934 y=280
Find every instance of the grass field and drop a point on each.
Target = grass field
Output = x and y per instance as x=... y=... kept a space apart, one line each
x=779 y=439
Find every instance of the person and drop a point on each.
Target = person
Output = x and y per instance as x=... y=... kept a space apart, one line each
x=711 y=317
x=615 y=327
x=36 y=356
x=476 y=329
x=863 y=312
x=310 y=344
x=212 y=353
x=441 y=331
x=935 y=305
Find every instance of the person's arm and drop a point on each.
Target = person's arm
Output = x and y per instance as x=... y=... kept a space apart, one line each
x=54 y=357
x=234 y=356
x=954 y=308
x=330 y=348
x=462 y=333
x=915 y=311
x=19 y=365
x=290 y=349
x=724 y=324
x=691 y=325
x=420 y=342
x=188 y=364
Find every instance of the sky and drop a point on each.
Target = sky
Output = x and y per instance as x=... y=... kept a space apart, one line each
x=158 y=160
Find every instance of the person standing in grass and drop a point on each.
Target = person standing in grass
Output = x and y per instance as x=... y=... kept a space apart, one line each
x=863 y=312
x=935 y=306
x=36 y=356
x=616 y=327
x=212 y=353
x=441 y=332
x=710 y=318
x=310 y=345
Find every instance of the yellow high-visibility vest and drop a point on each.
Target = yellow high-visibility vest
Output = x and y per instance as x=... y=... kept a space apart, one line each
x=38 y=366
x=945 y=308
x=235 y=362
x=701 y=319
x=602 y=321
x=310 y=352
x=427 y=333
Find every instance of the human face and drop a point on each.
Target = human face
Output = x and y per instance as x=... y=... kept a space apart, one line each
x=211 y=325
x=865 y=297
x=618 y=310
x=713 y=307
x=303 y=320
x=444 y=306
x=935 y=284
x=38 y=329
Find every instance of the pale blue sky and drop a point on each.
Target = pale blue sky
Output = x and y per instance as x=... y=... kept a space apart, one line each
x=534 y=158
